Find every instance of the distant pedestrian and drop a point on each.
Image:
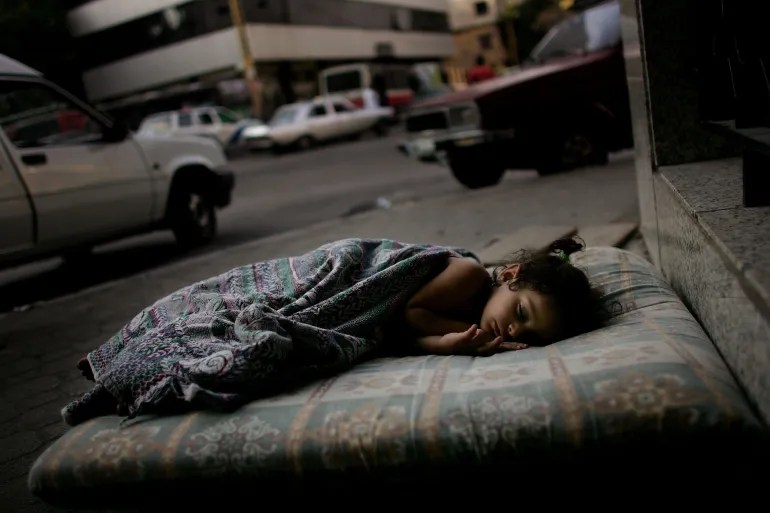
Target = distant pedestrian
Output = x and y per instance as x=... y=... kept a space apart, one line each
x=480 y=72
x=381 y=88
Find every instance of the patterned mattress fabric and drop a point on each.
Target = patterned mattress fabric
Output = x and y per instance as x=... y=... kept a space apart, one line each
x=648 y=385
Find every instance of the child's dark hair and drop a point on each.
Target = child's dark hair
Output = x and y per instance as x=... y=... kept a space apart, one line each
x=550 y=272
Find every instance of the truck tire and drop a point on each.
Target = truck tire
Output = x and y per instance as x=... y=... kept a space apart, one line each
x=474 y=169
x=579 y=145
x=192 y=215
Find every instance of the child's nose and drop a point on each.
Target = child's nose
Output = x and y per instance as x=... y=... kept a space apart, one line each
x=512 y=330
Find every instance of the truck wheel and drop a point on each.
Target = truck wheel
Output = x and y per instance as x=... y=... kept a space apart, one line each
x=192 y=216
x=475 y=170
x=578 y=147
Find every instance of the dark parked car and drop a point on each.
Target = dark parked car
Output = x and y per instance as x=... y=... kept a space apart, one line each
x=565 y=106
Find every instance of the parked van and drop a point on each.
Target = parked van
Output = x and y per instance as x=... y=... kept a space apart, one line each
x=401 y=83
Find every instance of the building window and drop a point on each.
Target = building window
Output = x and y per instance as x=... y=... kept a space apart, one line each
x=198 y=18
x=485 y=41
x=482 y=8
x=401 y=19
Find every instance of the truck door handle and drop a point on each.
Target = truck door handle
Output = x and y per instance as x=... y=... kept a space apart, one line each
x=34 y=159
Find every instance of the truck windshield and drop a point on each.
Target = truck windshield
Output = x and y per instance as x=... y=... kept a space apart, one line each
x=592 y=30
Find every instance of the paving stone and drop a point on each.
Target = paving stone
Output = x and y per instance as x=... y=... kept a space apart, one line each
x=39 y=416
x=16 y=493
x=63 y=354
x=47 y=434
x=35 y=384
x=17 y=467
x=18 y=444
x=610 y=234
x=40 y=398
x=500 y=249
x=8 y=411
x=19 y=366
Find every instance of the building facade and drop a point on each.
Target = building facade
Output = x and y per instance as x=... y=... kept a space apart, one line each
x=159 y=53
x=476 y=31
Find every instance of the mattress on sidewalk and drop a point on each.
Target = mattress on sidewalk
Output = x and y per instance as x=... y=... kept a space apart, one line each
x=646 y=394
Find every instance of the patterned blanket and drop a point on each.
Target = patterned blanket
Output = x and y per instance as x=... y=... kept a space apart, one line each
x=257 y=329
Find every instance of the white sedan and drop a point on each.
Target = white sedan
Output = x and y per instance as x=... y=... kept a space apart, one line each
x=303 y=124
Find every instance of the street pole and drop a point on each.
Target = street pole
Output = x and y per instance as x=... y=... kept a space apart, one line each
x=249 y=70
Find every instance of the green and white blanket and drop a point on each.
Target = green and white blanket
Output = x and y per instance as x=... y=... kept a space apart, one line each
x=258 y=329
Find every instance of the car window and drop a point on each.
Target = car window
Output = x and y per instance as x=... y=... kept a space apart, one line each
x=344 y=81
x=284 y=116
x=340 y=107
x=185 y=119
x=34 y=115
x=589 y=31
x=602 y=27
x=158 y=123
x=318 y=110
x=227 y=116
x=204 y=118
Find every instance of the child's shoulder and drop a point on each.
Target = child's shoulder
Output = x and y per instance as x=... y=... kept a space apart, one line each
x=467 y=268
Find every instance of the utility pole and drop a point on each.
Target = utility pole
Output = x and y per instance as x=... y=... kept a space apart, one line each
x=249 y=70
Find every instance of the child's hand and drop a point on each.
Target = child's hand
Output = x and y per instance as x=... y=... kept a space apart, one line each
x=475 y=341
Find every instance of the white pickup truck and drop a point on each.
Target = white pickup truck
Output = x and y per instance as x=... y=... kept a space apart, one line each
x=71 y=178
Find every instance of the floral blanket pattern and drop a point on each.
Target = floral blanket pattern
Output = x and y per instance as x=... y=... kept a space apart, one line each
x=258 y=328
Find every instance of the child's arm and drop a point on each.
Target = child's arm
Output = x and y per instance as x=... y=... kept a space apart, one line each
x=437 y=315
x=433 y=310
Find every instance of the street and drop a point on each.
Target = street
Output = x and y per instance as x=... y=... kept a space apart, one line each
x=273 y=194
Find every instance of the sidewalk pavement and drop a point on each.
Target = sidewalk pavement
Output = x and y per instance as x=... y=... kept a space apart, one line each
x=40 y=346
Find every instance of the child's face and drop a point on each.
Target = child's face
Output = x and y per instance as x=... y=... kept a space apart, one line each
x=522 y=315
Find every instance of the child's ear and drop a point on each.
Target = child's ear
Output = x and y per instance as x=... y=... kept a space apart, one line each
x=511 y=272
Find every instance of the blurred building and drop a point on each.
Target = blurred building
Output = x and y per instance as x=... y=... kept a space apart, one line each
x=503 y=31
x=146 y=55
x=476 y=31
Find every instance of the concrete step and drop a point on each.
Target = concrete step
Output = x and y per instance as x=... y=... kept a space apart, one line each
x=498 y=251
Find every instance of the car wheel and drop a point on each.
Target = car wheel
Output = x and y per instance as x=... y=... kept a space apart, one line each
x=475 y=169
x=192 y=216
x=305 y=143
x=380 y=128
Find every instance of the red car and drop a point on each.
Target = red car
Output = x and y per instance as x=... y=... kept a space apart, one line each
x=566 y=106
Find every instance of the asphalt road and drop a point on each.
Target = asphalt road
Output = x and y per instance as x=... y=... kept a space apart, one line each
x=273 y=194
